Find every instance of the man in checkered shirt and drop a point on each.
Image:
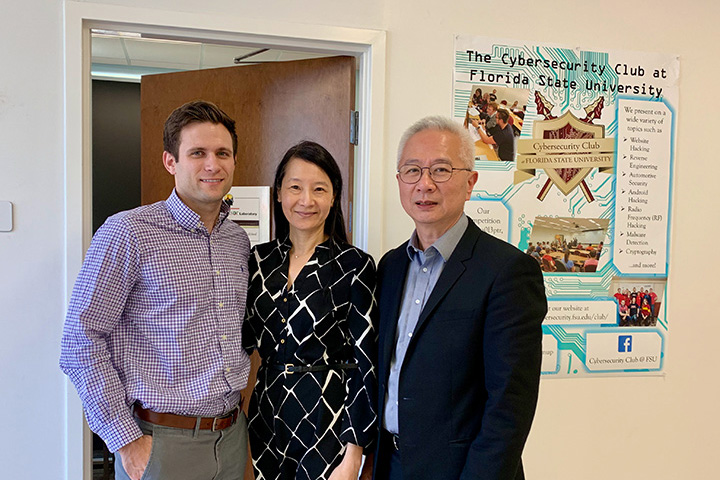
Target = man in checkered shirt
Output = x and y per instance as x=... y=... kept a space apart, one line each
x=152 y=338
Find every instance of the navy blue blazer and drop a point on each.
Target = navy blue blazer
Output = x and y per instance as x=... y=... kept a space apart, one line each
x=469 y=383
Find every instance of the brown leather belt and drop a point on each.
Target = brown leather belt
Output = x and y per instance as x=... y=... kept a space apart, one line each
x=189 y=423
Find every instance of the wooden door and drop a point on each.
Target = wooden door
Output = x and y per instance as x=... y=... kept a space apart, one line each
x=275 y=105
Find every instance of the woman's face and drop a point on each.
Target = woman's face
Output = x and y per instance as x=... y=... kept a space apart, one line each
x=306 y=195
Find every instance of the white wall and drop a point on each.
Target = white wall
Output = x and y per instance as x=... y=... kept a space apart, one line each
x=623 y=428
x=31 y=256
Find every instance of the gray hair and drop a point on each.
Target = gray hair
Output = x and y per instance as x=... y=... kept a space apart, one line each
x=442 y=124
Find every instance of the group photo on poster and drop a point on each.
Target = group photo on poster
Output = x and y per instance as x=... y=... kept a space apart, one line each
x=574 y=149
x=494 y=120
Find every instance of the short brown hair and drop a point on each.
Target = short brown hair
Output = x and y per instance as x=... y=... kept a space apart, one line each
x=504 y=114
x=198 y=111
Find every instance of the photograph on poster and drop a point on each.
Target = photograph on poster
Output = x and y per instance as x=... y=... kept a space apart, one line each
x=494 y=118
x=638 y=300
x=568 y=244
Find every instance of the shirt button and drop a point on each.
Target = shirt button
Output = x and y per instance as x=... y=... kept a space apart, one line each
x=217 y=272
x=285 y=299
x=221 y=304
x=224 y=337
x=425 y=269
x=283 y=320
x=282 y=340
x=417 y=302
x=410 y=334
x=227 y=369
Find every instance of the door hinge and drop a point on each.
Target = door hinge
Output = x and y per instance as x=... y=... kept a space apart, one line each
x=354 y=125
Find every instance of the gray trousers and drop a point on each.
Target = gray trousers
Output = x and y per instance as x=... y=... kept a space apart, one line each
x=178 y=453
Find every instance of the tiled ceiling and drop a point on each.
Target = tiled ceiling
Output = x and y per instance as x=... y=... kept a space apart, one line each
x=122 y=56
x=572 y=224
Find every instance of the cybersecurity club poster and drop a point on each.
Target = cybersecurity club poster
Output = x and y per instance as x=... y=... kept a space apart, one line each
x=575 y=150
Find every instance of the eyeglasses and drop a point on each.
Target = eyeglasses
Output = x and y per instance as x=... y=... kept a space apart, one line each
x=438 y=173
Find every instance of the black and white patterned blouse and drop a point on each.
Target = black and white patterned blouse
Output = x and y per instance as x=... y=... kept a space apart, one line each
x=300 y=422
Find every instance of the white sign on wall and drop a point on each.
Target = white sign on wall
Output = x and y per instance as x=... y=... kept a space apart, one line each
x=251 y=210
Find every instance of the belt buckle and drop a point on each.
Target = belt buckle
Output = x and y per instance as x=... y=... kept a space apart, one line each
x=214 y=424
x=235 y=412
x=287 y=370
x=395 y=440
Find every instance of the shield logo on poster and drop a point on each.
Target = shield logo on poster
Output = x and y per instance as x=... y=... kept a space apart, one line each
x=567 y=148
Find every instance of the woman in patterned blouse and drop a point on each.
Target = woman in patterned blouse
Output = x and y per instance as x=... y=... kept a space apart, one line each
x=311 y=316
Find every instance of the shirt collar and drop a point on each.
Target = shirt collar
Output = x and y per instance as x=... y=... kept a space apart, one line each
x=186 y=217
x=445 y=245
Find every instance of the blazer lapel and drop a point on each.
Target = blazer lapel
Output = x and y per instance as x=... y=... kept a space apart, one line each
x=452 y=272
x=393 y=283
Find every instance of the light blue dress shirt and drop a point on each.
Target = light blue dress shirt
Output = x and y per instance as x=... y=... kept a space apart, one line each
x=424 y=270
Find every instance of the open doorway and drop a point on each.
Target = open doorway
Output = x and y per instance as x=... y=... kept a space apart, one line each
x=275 y=101
x=81 y=18
x=120 y=60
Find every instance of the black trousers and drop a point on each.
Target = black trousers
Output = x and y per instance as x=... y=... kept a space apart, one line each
x=388 y=461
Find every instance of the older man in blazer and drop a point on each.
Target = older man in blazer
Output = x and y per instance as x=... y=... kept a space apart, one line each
x=460 y=326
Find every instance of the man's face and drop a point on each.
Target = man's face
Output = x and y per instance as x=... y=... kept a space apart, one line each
x=491 y=110
x=205 y=165
x=436 y=206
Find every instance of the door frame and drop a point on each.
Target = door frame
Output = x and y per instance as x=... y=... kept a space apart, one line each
x=368 y=46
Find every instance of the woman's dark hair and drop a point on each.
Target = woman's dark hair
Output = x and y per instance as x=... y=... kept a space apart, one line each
x=317 y=155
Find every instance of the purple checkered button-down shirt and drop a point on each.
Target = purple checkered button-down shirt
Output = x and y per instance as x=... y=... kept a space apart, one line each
x=156 y=317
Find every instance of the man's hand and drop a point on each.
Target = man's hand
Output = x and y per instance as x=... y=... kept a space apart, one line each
x=135 y=456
